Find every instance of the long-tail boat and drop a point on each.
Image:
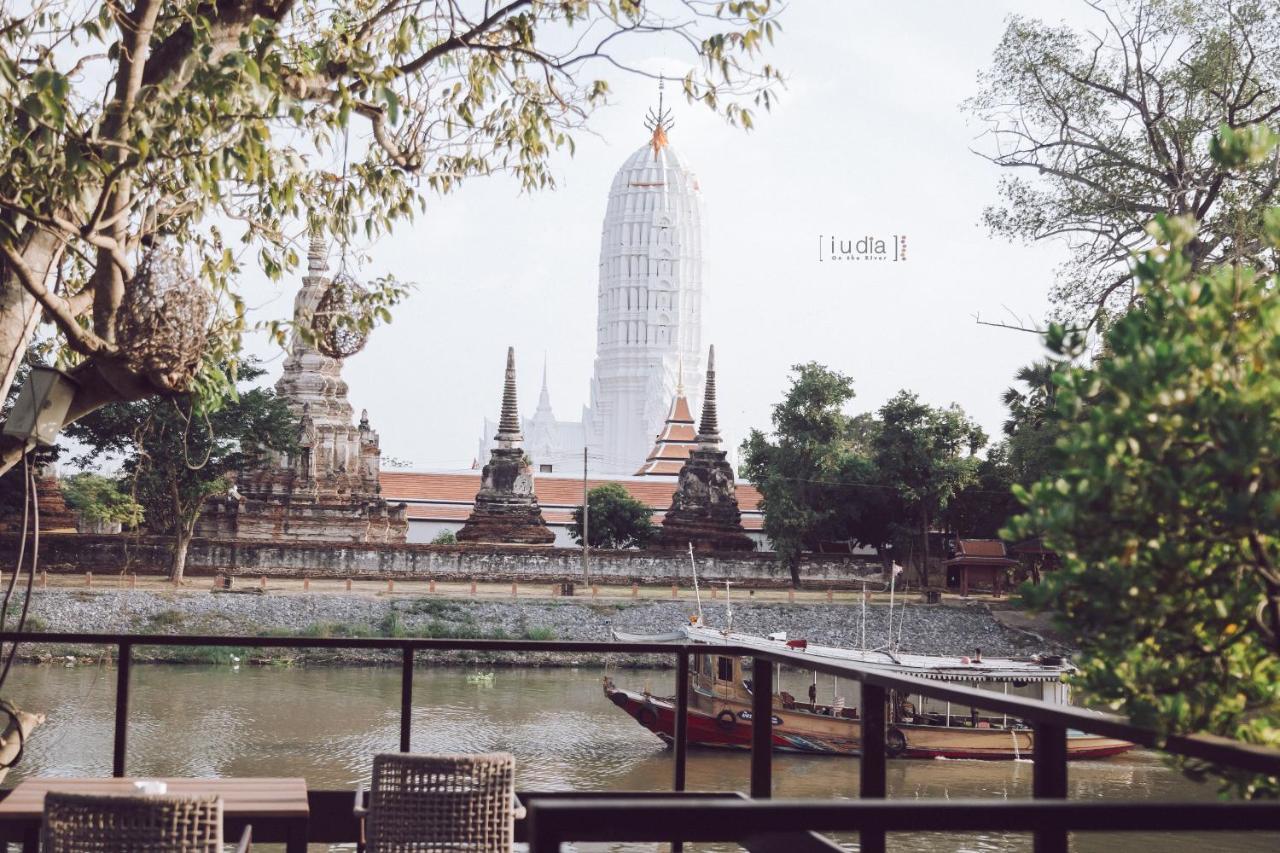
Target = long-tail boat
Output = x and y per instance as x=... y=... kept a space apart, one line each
x=720 y=703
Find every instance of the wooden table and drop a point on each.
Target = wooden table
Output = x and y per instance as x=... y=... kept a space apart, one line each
x=276 y=807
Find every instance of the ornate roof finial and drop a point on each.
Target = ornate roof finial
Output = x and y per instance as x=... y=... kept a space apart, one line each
x=680 y=375
x=659 y=121
x=509 y=423
x=709 y=428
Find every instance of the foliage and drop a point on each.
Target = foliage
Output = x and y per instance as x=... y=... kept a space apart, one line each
x=816 y=481
x=201 y=126
x=981 y=509
x=101 y=499
x=1102 y=130
x=877 y=480
x=925 y=455
x=617 y=519
x=445 y=537
x=1166 y=514
x=176 y=458
x=1027 y=455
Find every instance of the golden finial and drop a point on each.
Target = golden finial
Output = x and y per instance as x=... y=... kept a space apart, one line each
x=659 y=121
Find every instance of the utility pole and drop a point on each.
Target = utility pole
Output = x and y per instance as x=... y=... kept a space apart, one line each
x=586 y=509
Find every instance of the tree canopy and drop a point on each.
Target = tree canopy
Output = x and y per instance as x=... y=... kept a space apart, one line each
x=176 y=457
x=1103 y=129
x=155 y=148
x=101 y=500
x=877 y=480
x=812 y=469
x=1166 y=513
x=926 y=455
x=616 y=520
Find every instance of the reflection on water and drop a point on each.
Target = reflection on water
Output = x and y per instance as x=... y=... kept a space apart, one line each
x=326 y=723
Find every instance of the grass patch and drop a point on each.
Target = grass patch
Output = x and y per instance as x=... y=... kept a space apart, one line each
x=540 y=633
x=323 y=630
x=165 y=621
x=392 y=625
x=220 y=655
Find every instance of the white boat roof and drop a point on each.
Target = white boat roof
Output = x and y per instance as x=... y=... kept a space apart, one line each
x=941 y=667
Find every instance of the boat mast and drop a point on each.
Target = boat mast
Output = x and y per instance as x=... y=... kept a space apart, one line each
x=696 y=594
x=864 y=616
x=893 y=577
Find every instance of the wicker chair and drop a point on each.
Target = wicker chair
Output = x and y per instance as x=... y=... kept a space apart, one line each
x=93 y=823
x=427 y=803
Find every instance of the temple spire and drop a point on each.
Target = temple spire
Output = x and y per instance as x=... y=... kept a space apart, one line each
x=509 y=424
x=709 y=428
x=544 y=396
x=317 y=253
x=680 y=375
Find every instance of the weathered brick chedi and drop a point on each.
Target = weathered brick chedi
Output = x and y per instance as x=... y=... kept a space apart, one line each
x=328 y=491
x=506 y=509
x=704 y=509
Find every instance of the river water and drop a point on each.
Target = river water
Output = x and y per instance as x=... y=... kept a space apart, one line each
x=324 y=723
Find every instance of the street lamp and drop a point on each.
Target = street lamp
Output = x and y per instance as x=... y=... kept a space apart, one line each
x=41 y=407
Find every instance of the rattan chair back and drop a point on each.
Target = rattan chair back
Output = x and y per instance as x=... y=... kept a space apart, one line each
x=428 y=803
x=100 y=823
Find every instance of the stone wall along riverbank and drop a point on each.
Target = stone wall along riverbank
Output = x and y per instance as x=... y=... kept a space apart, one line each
x=935 y=629
x=104 y=555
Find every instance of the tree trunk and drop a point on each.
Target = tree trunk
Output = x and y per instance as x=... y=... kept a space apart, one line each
x=793 y=563
x=179 y=564
x=924 y=560
x=19 y=311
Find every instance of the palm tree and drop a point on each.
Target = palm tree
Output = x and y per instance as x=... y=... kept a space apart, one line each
x=1036 y=405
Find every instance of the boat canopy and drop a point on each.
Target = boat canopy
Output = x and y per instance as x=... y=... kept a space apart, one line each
x=938 y=667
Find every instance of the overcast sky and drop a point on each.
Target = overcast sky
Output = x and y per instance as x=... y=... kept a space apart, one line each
x=868 y=139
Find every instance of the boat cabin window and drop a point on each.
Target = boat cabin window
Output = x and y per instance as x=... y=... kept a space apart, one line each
x=724 y=669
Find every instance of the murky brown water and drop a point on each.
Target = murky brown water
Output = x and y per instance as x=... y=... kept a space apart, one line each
x=325 y=723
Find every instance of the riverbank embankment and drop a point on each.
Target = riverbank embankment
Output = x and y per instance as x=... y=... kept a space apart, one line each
x=930 y=629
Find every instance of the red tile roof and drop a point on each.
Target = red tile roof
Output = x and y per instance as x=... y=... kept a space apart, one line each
x=980 y=552
x=450 y=496
x=979 y=548
x=674 y=442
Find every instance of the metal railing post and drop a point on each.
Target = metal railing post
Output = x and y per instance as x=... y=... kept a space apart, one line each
x=761 y=728
x=872 y=784
x=121 y=745
x=406 y=697
x=680 y=730
x=680 y=734
x=1049 y=781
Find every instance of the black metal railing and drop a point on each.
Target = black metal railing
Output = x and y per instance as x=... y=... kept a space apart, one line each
x=762 y=825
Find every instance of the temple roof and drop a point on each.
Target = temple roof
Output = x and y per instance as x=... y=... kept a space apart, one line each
x=673 y=444
x=980 y=552
x=449 y=496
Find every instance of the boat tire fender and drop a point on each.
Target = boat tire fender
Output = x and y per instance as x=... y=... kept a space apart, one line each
x=726 y=720
x=895 y=743
x=647 y=717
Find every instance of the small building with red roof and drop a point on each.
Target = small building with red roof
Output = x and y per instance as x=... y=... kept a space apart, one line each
x=979 y=564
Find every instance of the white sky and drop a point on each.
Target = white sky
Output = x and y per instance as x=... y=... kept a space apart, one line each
x=868 y=138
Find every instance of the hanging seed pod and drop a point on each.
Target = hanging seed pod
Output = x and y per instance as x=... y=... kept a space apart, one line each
x=337 y=322
x=162 y=323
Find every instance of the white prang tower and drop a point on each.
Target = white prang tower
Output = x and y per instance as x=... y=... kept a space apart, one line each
x=649 y=302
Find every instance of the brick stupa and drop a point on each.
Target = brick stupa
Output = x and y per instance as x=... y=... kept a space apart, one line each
x=704 y=509
x=329 y=490
x=506 y=510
